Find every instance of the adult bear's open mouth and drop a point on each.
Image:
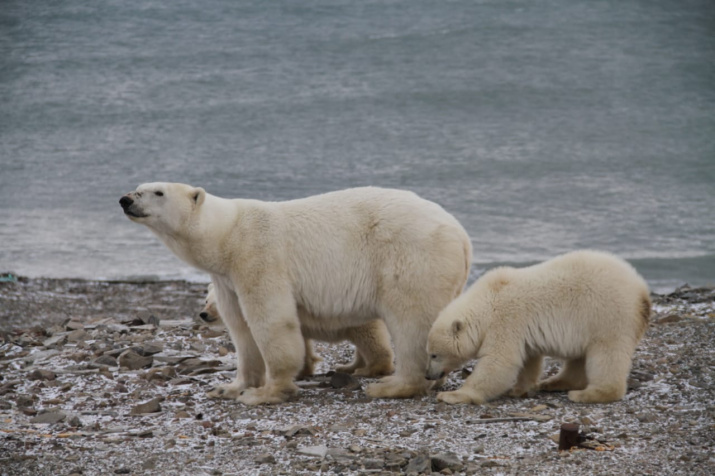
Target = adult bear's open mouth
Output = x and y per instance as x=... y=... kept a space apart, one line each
x=133 y=214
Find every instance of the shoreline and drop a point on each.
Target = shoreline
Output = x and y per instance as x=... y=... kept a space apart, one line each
x=68 y=405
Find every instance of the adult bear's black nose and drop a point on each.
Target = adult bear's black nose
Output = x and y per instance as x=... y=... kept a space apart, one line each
x=125 y=202
x=204 y=316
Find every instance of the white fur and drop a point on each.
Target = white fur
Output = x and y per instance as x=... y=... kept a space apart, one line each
x=373 y=353
x=327 y=262
x=588 y=308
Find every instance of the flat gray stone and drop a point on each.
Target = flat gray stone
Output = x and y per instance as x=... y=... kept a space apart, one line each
x=59 y=339
x=51 y=417
x=107 y=360
x=152 y=406
x=41 y=355
x=320 y=451
x=133 y=361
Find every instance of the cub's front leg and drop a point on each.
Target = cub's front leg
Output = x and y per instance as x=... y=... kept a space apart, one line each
x=492 y=377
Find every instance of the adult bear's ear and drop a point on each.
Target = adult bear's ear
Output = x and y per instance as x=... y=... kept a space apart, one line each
x=198 y=195
x=457 y=327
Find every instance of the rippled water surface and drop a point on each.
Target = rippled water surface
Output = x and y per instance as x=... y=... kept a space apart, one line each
x=543 y=126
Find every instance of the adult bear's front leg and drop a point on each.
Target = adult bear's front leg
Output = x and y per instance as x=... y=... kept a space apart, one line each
x=250 y=369
x=274 y=325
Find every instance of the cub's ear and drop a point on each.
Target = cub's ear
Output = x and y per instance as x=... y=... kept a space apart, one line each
x=457 y=326
x=198 y=195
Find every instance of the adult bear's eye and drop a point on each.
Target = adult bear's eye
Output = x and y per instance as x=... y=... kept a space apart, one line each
x=433 y=356
x=159 y=194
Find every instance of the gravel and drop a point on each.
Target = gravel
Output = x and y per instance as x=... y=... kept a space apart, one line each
x=110 y=378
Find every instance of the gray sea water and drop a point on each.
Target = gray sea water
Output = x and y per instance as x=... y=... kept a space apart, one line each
x=544 y=126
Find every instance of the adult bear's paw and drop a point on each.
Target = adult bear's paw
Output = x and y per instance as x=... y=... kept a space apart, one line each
x=267 y=394
x=228 y=391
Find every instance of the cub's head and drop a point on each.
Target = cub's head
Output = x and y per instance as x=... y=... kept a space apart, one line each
x=209 y=314
x=451 y=341
x=163 y=207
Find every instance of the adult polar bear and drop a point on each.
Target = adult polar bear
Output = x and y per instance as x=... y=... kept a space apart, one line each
x=330 y=261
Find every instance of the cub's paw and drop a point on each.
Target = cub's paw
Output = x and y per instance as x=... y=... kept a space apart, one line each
x=596 y=395
x=459 y=396
x=228 y=391
x=519 y=392
x=396 y=387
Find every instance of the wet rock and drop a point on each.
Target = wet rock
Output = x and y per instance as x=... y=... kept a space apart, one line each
x=442 y=461
x=133 y=361
x=147 y=349
x=373 y=463
x=341 y=380
x=150 y=463
x=24 y=401
x=51 y=417
x=161 y=373
x=420 y=464
x=107 y=360
x=41 y=374
x=190 y=366
x=74 y=421
x=211 y=333
x=152 y=406
x=298 y=430
x=265 y=458
x=394 y=461
x=647 y=417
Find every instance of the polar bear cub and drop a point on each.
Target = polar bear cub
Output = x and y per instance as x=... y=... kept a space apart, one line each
x=588 y=308
x=373 y=353
x=327 y=262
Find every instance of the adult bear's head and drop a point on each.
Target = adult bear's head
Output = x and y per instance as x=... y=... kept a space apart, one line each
x=163 y=207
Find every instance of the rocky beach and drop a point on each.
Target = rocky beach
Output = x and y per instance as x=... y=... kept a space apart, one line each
x=100 y=377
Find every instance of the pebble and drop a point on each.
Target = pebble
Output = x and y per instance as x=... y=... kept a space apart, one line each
x=79 y=335
x=320 y=451
x=265 y=458
x=152 y=406
x=647 y=417
x=133 y=361
x=41 y=374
